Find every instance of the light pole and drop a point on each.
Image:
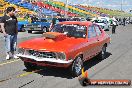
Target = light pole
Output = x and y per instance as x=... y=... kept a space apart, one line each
x=87 y=2
x=66 y=8
x=121 y=5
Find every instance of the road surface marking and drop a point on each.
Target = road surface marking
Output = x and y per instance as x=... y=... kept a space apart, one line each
x=27 y=73
x=21 y=75
x=9 y=62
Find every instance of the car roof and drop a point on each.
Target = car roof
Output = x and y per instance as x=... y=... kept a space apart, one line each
x=85 y=23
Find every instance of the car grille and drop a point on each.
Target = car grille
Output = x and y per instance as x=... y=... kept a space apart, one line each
x=41 y=54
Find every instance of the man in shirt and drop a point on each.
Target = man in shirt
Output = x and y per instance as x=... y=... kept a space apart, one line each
x=9 y=28
x=54 y=21
x=114 y=24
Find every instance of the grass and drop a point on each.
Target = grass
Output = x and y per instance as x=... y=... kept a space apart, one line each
x=115 y=13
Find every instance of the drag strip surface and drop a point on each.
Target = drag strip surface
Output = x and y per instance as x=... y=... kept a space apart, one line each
x=117 y=65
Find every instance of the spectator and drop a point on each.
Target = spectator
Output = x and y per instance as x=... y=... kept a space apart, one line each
x=124 y=21
x=33 y=19
x=9 y=28
x=114 y=24
x=55 y=21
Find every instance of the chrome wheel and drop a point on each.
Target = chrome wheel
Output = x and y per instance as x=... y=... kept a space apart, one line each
x=77 y=66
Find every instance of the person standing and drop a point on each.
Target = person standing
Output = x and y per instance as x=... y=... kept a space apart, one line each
x=55 y=21
x=124 y=21
x=114 y=24
x=9 y=25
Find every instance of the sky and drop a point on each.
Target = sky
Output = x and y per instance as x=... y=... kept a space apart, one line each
x=111 y=4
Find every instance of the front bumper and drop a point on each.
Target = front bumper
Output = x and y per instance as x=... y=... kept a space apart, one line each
x=45 y=61
x=33 y=27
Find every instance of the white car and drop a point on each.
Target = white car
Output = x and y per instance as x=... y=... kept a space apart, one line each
x=103 y=23
x=105 y=18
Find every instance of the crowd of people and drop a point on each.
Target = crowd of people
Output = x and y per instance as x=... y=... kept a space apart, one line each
x=125 y=20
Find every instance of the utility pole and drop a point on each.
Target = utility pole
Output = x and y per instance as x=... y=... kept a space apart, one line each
x=121 y=5
x=87 y=2
x=66 y=8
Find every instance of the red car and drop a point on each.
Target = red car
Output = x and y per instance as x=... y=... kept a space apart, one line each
x=67 y=45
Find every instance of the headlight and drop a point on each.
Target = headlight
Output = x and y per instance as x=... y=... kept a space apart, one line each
x=61 y=56
x=21 y=51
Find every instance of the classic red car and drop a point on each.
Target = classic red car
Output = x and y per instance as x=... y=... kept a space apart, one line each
x=67 y=45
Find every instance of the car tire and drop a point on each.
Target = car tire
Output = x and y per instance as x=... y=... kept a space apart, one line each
x=76 y=66
x=29 y=66
x=29 y=31
x=102 y=54
x=44 y=29
x=22 y=29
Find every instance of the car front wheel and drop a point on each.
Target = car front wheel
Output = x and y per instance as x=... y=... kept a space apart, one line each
x=29 y=31
x=77 y=66
x=44 y=29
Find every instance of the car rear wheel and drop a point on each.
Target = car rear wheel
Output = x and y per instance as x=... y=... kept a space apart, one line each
x=29 y=66
x=77 y=66
x=22 y=29
x=29 y=31
x=102 y=54
x=44 y=29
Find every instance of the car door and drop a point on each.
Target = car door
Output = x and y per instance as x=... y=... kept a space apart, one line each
x=99 y=38
x=91 y=44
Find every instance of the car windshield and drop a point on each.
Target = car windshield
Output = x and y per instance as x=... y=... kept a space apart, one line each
x=77 y=31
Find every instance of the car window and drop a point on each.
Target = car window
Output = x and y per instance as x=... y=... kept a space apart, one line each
x=97 y=30
x=43 y=20
x=70 y=30
x=91 y=32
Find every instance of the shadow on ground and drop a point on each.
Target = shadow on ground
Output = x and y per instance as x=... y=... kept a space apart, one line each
x=64 y=73
x=92 y=62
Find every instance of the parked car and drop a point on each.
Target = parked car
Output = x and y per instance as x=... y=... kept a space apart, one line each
x=42 y=24
x=103 y=23
x=72 y=19
x=21 y=25
x=69 y=44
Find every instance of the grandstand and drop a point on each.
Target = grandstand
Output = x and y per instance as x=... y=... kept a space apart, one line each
x=20 y=10
x=54 y=7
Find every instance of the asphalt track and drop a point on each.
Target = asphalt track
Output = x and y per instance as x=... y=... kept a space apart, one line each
x=117 y=65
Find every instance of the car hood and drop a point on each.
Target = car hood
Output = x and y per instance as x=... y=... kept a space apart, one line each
x=50 y=44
